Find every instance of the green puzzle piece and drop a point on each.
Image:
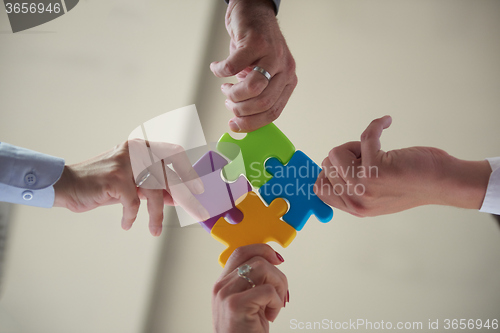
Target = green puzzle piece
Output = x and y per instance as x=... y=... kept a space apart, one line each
x=248 y=155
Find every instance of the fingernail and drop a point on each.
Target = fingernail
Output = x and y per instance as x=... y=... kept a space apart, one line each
x=279 y=257
x=125 y=226
x=156 y=231
x=288 y=296
x=234 y=126
x=203 y=213
x=198 y=186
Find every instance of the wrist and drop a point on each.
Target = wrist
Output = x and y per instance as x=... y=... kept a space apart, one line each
x=251 y=9
x=268 y=5
x=463 y=183
x=62 y=188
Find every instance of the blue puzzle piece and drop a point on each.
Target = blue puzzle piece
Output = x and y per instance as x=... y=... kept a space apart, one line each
x=295 y=182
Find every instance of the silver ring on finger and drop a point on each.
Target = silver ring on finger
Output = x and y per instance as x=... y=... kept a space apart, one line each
x=143 y=176
x=263 y=72
x=243 y=272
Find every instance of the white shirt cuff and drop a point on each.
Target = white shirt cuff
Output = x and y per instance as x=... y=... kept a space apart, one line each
x=491 y=202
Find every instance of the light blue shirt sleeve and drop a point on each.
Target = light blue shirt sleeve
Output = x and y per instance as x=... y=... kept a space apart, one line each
x=27 y=177
x=276 y=5
x=491 y=202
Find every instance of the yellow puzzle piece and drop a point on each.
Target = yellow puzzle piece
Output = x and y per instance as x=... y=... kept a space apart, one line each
x=260 y=224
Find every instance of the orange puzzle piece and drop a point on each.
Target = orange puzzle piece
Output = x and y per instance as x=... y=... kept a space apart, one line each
x=260 y=224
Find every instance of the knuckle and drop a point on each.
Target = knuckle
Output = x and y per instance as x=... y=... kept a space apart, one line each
x=292 y=66
x=365 y=135
x=368 y=132
x=233 y=302
x=217 y=288
x=176 y=149
x=240 y=252
x=334 y=155
x=238 y=111
x=295 y=81
x=228 y=67
x=325 y=164
x=275 y=112
x=357 y=207
x=265 y=103
x=115 y=174
x=268 y=288
x=123 y=158
x=258 y=262
x=255 y=87
x=135 y=203
x=134 y=141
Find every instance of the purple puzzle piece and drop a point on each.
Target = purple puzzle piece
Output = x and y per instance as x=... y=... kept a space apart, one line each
x=219 y=196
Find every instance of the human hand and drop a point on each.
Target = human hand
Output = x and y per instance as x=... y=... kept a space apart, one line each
x=109 y=179
x=360 y=178
x=236 y=306
x=256 y=40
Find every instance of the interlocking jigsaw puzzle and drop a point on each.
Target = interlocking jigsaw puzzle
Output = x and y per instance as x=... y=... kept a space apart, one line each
x=268 y=159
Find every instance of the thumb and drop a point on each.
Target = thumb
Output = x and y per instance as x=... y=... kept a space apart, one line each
x=247 y=252
x=370 y=139
x=235 y=63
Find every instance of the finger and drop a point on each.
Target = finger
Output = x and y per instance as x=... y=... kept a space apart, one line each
x=257 y=104
x=265 y=272
x=370 y=139
x=155 y=210
x=254 y=122
x=345 y=159
x=245 y=253
x=341 y=193
x=243 y=74
x=183 y=197
x=334 y=176
x=261 y=272
x=255 y=83
x=325 y=191
x=264 y=297
x=235 y=62
x=139 y=156
x=167 y=199
x=156 y=179
x=176 y=155
x=130 y=200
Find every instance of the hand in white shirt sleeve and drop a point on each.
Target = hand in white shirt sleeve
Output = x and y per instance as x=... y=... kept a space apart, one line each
x=491 y=202
x=386 y=182
x=35 y=179
x=27 y=177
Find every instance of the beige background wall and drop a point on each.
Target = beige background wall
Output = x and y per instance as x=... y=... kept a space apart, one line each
x=78 y=85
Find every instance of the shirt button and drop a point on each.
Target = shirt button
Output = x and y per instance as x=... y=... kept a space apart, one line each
x=27 y=195
x=30 y=178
